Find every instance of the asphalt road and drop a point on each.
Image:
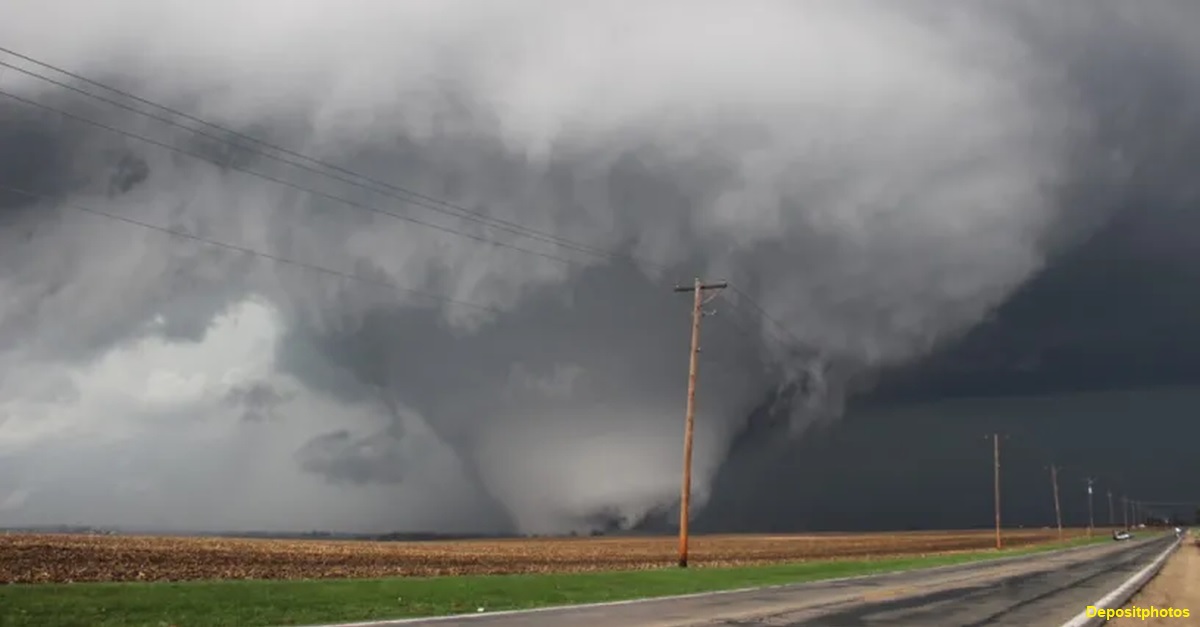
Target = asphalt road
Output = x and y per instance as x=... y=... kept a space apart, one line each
x=1049 y=597
x=1035 y=590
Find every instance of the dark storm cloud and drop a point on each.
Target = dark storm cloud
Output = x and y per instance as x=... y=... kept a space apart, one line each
x=932 y=464
x=130 y=171
x=31 y=155
x=55 y=256
x=1114 y=309
x=503 y=372
x=879 y=207
x=1118 y=312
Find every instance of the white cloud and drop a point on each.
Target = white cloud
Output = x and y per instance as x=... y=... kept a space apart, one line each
x=149 y=424
x=148 y=384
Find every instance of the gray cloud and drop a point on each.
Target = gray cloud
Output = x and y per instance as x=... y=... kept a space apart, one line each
x=345 y=458
x=258 y=400
x=878 y=177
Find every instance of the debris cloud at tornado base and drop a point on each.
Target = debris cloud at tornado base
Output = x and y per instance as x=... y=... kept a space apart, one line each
x=877 y=177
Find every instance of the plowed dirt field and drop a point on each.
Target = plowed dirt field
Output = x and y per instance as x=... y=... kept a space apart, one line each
x=45 y=558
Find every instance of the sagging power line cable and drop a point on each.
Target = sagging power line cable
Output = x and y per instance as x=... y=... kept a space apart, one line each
x=743 y=296
x=280 y=181
x=299 y=161
x=389 y=189
x=269 y=256
x=248 y=251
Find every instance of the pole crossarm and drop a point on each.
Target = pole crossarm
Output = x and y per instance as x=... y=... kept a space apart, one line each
x=717 y=285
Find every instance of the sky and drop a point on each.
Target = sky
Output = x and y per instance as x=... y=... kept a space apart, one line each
x=936 y=221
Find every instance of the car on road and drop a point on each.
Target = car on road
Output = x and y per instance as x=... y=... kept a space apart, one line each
x=1121 y=535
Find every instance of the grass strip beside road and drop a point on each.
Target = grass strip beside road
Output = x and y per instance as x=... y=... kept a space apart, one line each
x=307 y=602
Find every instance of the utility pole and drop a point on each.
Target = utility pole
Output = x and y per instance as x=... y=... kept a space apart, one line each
x=697 y=288
x=996 y=490
x=1111 y=520
x=1091 y=522
x=1125 y=511
x=1057 y=507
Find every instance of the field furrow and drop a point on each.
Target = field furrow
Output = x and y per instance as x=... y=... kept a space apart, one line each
x=45 y=558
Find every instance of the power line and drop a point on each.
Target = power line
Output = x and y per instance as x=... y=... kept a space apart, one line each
x=738 y=323
x=268 y=177
x=257 y=253
x=300 y=160
x=351 y=203
x=733 y=321
x=1033 y=447
x=251 y=251
x=780 y=332
x=763 y=312
x=397 y=192
x=394 y=191
x=283 y=260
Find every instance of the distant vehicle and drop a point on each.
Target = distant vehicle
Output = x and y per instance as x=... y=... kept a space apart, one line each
x=1178 y=531
x=1121 y=535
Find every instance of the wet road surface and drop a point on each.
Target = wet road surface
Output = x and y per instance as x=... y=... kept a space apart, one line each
x=1046 y=589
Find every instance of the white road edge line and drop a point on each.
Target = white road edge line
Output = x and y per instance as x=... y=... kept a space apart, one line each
x=711 y=593
x=1121 y=595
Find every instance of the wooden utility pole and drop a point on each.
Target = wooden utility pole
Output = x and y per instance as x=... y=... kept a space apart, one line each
x=1111 y=519
x=1091 y=522
x=697 y=288
x=1057 y=507
x=996 y=490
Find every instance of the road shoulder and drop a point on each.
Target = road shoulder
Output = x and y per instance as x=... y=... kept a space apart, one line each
x=1174 y=587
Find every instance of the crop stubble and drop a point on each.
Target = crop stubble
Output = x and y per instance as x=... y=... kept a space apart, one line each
x=54 y=558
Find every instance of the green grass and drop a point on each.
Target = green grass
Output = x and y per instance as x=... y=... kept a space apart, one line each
x=250 y=603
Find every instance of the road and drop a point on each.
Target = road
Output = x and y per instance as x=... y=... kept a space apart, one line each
x=1174 y=587
x=1048 y=597
x=1046 y=589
